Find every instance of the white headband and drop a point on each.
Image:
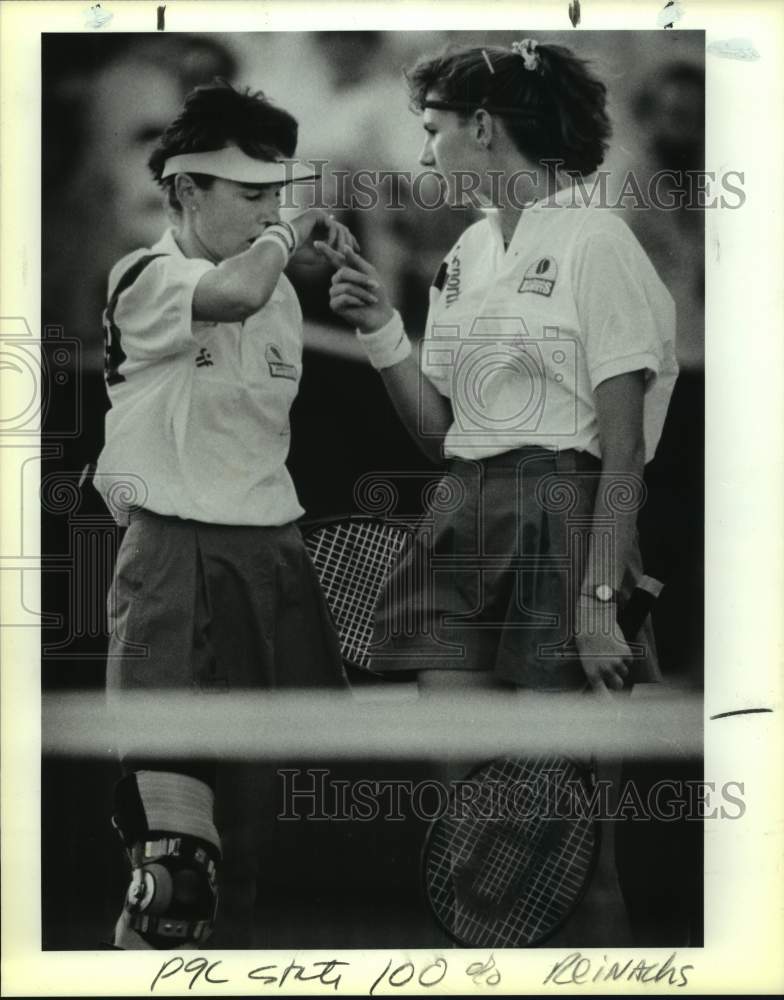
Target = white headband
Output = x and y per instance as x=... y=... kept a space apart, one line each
x=232 y=164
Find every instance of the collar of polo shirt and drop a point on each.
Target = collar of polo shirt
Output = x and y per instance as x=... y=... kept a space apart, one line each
x=232 y=164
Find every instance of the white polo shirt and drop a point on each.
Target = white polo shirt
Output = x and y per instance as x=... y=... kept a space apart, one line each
x=199 y=419
x=518 y=340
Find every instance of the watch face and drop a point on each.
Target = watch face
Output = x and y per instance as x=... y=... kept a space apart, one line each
x=604 y=592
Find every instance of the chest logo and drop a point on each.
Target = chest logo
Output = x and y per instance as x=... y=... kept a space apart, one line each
x=278 y=368
x=204 y=358
x=540 y=277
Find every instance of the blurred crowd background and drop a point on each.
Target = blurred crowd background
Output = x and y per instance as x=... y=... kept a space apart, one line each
x=106 y=99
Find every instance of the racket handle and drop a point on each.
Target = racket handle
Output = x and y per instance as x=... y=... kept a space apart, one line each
x=633 y=614
x=638 y=607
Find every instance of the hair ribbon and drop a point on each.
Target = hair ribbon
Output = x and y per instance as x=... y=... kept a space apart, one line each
x=526 y=49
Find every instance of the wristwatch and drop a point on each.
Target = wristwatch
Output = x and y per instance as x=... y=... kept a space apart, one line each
x=603 y=593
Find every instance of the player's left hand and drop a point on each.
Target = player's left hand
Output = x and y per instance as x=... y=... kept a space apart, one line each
x=338 y=237
x=605 y=655
x=316 y=228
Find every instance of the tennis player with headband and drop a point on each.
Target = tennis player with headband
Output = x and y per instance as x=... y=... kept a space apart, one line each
x=213 y=589
x=544 y=378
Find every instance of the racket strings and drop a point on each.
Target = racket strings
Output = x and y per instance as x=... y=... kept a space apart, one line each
x=503 y=881
x=525 y=880
x=357 y=577
x=352 y=560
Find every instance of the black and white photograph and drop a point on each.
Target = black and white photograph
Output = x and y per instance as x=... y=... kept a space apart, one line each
x=391 y=581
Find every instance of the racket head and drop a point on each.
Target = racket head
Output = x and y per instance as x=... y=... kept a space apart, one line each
x=501 y=882
x=352 y=556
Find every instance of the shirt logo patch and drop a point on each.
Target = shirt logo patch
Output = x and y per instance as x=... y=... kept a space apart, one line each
x=278 y=368
x=204 y=358
x=540 y=277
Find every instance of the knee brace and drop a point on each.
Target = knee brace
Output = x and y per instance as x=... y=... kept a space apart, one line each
x=173 y=895
x=165 y=823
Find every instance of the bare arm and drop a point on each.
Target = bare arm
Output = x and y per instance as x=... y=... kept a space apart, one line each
x=359 y=297
x=426 y=414
x=619 y=412
x=619 y=408
x=241 y=285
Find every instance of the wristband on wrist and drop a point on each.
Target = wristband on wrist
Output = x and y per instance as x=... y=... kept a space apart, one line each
x=282 y=235
x=387 y=346
x=292 y=234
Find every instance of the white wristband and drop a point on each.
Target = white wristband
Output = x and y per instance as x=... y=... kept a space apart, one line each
x=387 y=346
x=282 y=235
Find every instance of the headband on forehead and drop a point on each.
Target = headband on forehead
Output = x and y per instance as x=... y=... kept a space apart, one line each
x=494 y=109
x=232 y=164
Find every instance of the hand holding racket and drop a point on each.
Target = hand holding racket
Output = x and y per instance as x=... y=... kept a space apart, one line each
x=513 y=879
x=353 y=556
x=604 y=655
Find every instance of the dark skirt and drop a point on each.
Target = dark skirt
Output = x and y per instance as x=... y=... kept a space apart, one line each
x=208 y=608
x=490 y=580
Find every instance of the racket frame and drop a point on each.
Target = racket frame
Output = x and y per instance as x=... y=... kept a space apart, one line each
x=309 y=528
x=587 y=775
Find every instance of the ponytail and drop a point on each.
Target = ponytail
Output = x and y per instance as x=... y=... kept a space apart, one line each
x=553 y=107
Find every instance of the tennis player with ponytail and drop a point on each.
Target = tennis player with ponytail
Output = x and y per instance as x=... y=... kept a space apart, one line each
x=213 y=589
x=543 y=380
x=547 y=359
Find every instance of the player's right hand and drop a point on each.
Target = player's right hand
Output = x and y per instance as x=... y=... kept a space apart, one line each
x=604 y=654
x=357 y=293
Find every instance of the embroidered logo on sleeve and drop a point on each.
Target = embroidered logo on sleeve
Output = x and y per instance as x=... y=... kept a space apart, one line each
x=278 y=368
x=204 y=358
x=540 y=277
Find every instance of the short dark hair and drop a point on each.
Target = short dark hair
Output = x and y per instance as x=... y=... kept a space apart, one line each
x=214 y=116
x=567 y=119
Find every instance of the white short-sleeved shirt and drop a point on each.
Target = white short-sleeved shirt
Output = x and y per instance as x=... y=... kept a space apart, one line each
x=518 y=340
x=199 y=420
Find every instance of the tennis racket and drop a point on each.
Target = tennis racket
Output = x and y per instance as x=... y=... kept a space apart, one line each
x=510 y=865
x=507 y=881
x=353 y=556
